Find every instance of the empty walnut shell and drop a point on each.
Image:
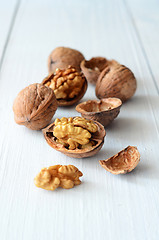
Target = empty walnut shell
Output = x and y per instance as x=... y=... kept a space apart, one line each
x=123 y=162
x=116 y=80
x=97 y=137
x=68 y=85
x=62 y=57
x=92 y=68
x=103 y=111
x=35 y=106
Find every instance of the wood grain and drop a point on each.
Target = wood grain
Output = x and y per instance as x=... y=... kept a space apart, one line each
x=104 y=206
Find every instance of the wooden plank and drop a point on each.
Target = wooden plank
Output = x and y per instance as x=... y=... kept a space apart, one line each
x=8 y=11
x=146 y=22
x=104 y=206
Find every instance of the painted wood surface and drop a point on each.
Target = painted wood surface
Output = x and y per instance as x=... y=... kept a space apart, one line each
x=104 y=206
x=8 y=11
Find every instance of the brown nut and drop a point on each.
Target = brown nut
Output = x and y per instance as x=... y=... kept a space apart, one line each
x=75 y=137
x=35 y=106
x=103 y=111
x=116 y=80
x=92 y=68
x=62 y=57
x=68 y=85
x=123 y=162
x=66 y=176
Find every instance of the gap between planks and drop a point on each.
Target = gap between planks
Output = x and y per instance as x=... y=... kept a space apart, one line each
x=130 y=16
x=140 y=43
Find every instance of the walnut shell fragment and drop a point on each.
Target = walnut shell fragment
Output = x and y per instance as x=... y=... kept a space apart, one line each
x=93 y=67
x=68 y=85
x=35 y=106
x=103 y=111
x=123 y=162
x=116 y=80
x=62 y=57
x=76 y=137
x=65 y=176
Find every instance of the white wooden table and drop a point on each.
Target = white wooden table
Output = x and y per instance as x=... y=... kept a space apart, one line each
x=104 y=206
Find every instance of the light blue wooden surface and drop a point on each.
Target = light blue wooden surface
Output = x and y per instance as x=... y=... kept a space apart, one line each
x=104 y=206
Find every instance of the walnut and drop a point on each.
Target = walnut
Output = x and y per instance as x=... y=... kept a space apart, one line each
x=66 y=176
x=123 y=162
x=74 y=132
x=62 y=57
x=35 y=106
x=75 y=137
x=93 y=67
x=116 y=80
x=103 y=111
x=69 y=85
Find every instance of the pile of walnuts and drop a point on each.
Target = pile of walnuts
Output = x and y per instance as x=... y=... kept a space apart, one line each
x=66 y=84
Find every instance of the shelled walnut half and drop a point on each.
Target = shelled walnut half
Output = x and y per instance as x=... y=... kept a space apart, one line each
x=65 y=176
x=68 y=85
x=123 y=162
x=75 y=137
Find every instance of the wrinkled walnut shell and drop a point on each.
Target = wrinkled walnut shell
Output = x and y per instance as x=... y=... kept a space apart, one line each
x=92 y=68
x=35 y=106
x=116 y=80
x=77 y=153
x=123 y=162
x=103 y=111
x=68 y=102
x=62 y=57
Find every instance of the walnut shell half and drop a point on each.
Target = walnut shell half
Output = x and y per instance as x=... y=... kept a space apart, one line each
x=93 y=67
x=97 y=138
x=35 y=106
x=62 y=57
x=68 y=85
x=103 y=111
x=123 y=162
x=116 y=80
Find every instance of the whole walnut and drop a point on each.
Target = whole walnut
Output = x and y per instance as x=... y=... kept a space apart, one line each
x=62 y=57
x=35 y=106
x=116 y=80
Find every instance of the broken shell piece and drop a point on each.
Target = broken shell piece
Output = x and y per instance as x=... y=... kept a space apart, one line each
x=103 y=111
x=123 y=162
x=93 y=67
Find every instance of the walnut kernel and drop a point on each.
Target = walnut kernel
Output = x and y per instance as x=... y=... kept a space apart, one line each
x=75 y=137
x=67 y=84
x=65 y=176
x=73 y=132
